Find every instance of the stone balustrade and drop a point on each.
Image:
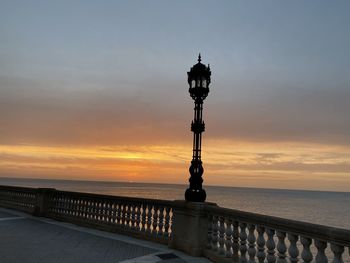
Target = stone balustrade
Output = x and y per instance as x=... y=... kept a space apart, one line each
x=20 y=198
x=149 y=219
x=236 y=236
x=145 y=218
x=220 y=234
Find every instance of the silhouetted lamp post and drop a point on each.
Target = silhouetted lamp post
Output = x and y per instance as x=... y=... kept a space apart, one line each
x=199 y=80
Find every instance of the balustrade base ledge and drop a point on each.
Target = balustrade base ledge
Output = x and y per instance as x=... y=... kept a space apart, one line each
x=215 y=257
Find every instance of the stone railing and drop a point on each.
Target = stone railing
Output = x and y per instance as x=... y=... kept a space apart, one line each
x=144 y=218
x=236 y=236
x=20 y=198
x=199 y=229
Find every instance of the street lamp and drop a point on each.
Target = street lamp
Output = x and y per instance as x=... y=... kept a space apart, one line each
x=198 y=80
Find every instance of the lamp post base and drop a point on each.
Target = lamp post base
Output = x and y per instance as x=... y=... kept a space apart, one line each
x=194 y=195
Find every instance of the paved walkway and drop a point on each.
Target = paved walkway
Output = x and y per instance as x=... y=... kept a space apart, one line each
x=24 y=238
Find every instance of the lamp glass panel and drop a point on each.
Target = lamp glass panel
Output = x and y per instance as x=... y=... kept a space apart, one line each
x=193 y=83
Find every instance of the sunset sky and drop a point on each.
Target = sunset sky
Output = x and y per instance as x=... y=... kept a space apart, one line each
x=97 y=90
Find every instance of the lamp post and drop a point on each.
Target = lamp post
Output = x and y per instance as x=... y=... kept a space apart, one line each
x=198 y=80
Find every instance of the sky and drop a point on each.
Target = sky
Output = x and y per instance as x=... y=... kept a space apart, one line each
x=97 y=90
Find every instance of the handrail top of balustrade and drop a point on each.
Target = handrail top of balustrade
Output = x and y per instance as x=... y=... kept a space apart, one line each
x=115 y=197
x=19 y=188
x=91 y=195
x=321 y=232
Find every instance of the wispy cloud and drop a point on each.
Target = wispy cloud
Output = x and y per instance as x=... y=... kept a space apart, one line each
x=225 y=162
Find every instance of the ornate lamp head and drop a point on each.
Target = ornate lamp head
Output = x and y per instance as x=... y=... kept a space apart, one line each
x=199 y=80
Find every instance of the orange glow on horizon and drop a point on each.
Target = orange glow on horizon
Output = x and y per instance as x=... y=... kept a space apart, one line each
x=301 y=166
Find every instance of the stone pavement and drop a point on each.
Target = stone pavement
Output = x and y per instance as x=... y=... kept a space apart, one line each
x=28 y=239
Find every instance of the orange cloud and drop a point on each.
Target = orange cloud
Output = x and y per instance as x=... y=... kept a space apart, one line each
x=302 y=166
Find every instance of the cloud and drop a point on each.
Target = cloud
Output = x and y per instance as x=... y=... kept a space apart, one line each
x=38 y=113
x=292 y=114
x=91 y=111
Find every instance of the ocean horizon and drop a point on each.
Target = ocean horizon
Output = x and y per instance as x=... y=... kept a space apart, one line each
x=319 y=207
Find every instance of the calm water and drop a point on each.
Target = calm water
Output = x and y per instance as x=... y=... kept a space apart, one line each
x=326 y=208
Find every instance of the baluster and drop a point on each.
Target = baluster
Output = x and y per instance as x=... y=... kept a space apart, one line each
x=261 y=244
x=114 y=213
x=72 y=207
x=64 y=206
x=137 y=217
x=80 y=208
x=293 y=249
x=127 y=215
x=321 y=256
x=235 y=245
x=119 y=213
x=306 y=254
x=80 y=214
x=68 y=206
x=210 y=231
x=167 y=222
x=155 y=221
x=149 y=219
x=160 y=221
x=99 y=211
x=221 y=235
x=102 y=211
x=215 y=233
x=281 y=247
x=270 y=244
x=83 y=208
x=338 y=252
x=110 y=213
x=79 y=202
x=243 y=242
x=132 y=216
x=251 y=243
x=171 y=220
x=228 y=242
x=76 y=207
x=143 y=219
x=95 y=210
x=94 y=207
x=97 y=205
x=86 y=209
x=122 y=215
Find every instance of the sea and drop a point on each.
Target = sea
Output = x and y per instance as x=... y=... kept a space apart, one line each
x=318 y=207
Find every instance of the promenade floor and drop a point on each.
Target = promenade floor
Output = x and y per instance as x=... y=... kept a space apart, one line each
x=28 y=239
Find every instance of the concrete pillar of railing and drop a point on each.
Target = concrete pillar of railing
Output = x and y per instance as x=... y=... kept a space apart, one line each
x=42 y=201
x=190 y=227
